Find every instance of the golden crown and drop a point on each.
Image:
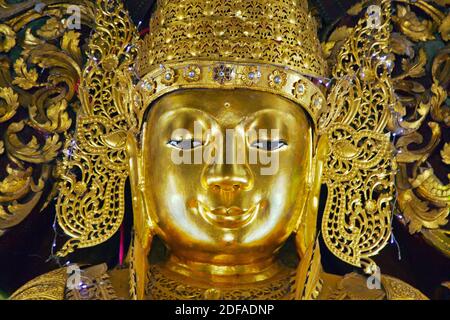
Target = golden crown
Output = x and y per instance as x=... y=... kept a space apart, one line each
x=268 y=45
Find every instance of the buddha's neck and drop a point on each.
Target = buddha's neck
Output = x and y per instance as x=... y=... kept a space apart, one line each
x=224 y=275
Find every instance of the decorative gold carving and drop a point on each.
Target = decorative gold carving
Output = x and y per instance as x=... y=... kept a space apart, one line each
x=37 y=90
x=277 y=79
x=229 y=75
x=353 y=286
x=8 y=38
x=192 y=73
x=49 y=286
x=411 y=26
x=26 y=79
x=169 y=76
x=90 y=205
x=423 y=194
x=95 y=284
x=445 y=153
x=420 y=85
x=399 y=290
x=418 y=214
x=277 y=32
x=33 y=151
x=444 y=28
x=164 y=287
x=360 y=170
x=251 y=75
x=11 y=103
x=214 y=44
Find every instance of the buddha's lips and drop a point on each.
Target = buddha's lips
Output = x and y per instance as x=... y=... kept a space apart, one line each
x=228 y=218
x=229 y=212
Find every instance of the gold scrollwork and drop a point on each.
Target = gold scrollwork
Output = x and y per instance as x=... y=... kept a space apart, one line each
x=40 y=65
x=91 y=204
x=360 y=170
x=419 y=42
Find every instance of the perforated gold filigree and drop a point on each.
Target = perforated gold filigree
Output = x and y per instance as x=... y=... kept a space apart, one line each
x=90 y=204
x=277 y=32
x=163 y=287
x=359 y=173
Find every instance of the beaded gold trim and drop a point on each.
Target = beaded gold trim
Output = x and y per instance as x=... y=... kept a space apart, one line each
x=201 y=74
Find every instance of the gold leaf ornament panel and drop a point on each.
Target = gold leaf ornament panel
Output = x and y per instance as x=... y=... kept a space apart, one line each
x=359 y=173
x=421 y=79
x=423 y=179
x=90 y=205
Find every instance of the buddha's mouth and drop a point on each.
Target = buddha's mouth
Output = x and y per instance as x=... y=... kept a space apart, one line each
x=228 y=218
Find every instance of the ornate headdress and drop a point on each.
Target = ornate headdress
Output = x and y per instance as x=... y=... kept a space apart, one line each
x=267 y=45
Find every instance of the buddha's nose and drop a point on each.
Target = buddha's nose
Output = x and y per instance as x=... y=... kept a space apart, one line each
x=227 y=177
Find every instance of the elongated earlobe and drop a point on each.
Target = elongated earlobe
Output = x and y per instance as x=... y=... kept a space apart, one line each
x=142 y=226
x=307 y=228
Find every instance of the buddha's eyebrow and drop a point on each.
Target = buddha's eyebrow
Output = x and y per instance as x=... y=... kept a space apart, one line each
x=186 y=110
x=285 y=115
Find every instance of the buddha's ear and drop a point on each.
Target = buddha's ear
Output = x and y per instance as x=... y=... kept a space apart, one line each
x=307 y=229
x=135 y=172
x=143 y=228
x=143 y=225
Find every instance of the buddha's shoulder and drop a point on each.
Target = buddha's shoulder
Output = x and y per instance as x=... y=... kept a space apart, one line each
x=399 y=290
x=75 y=283
x=354 y=286
x=49 y=286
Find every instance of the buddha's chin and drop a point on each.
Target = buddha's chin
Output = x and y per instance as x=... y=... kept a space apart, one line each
x=228 y=218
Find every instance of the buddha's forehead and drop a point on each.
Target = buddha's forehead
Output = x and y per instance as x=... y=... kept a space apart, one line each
x=229 y=107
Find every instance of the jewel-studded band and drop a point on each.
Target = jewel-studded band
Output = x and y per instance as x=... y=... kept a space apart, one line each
x=221 y=75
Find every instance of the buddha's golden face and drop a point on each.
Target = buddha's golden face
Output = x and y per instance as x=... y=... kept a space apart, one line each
x=230 y=209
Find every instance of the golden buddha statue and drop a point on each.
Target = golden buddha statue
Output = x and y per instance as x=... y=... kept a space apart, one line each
x=253 y=72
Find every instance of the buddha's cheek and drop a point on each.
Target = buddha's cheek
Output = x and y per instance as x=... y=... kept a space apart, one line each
x=172 y=200
x=283 y=194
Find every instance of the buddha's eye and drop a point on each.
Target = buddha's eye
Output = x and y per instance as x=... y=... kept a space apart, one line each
x=269 y=145
x=185 y=144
